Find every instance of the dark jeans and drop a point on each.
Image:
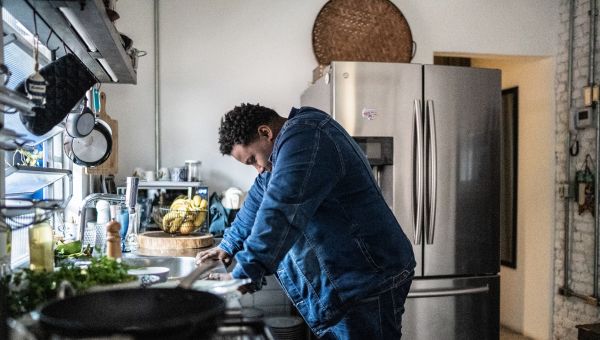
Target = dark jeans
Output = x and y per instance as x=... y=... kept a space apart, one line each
x=377 y=317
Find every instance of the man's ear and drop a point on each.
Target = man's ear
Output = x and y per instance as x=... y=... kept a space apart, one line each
x=265 y=131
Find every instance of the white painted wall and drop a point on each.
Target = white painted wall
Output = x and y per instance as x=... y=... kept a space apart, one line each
x=216 y=54
x=526 y=292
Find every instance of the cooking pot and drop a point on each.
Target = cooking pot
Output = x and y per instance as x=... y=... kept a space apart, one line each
x=144 y=313
x=80 y=124
x=91 y=150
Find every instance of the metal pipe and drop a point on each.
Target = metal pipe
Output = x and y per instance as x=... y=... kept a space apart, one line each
x=156 y=88
x=592 y=76
x=567 y=198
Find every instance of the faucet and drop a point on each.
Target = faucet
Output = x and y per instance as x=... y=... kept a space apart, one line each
x=89 y=201
x=130 y=199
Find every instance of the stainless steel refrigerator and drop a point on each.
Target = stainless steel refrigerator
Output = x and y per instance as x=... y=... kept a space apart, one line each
x=432 y=136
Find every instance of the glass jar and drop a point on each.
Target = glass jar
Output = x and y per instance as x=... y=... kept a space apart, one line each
x=41 y=253
x=193 y=170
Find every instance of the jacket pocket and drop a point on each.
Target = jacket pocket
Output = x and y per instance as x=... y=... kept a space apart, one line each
x=366 y=254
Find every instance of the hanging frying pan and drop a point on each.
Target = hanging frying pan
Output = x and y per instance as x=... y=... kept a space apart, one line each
x=91 y=150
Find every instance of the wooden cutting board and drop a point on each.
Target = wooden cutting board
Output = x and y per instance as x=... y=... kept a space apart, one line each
x=111 y=165
x=162 y=240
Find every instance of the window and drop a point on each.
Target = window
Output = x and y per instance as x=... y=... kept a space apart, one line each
x=30 y=171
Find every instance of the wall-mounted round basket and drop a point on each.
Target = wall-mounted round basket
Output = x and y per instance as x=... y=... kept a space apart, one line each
x=358 y=30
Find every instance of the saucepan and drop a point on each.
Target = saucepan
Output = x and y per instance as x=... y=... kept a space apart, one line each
x=92 y=149
x=80 y=124
x=144 y=313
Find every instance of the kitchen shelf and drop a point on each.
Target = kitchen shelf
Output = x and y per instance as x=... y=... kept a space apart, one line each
x=108 y=61
x=26 y=180
x=168 y=185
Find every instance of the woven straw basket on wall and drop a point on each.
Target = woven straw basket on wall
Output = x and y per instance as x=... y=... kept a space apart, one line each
x=361 y=30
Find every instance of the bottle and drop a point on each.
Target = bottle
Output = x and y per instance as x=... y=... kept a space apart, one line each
x=123 y=220
x=41 y=253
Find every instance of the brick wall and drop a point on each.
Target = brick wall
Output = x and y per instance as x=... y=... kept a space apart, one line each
x=569 y=312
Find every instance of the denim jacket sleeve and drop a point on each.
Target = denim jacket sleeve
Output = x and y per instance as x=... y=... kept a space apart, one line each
x=234 y=237
x=306 y=166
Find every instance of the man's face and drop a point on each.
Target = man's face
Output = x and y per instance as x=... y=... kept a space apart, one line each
x=258 y=152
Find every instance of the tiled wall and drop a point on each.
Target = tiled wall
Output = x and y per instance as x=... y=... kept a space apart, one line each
x=569 y=312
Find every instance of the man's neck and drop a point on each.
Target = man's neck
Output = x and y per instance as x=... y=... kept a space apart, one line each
x=277 y=125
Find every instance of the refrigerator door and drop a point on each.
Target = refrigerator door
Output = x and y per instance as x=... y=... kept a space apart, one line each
x=384 y=100
x=462 y=186
x=460 y=308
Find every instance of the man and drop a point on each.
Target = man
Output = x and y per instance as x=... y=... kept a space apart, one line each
x=316 y=219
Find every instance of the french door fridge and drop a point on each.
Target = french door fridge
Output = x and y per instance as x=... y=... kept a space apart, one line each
x=432 y=135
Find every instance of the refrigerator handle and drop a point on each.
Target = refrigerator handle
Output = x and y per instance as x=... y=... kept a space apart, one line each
x=432 y=194
x=448 y=292
x=418 y=168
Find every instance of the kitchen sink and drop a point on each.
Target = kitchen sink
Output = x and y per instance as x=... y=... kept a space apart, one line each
x=179 y=266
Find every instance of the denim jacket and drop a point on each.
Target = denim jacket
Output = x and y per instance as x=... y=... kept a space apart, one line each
x=319 y=222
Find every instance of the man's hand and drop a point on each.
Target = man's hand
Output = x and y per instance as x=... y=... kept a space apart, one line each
x=214 y=253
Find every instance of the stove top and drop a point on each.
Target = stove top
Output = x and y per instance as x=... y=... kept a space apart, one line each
x=243 y=324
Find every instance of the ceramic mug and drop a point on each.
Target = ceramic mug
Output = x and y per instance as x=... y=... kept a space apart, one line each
x=163 y=174
x=140 y=173
x=177 y=174
x=149 y=175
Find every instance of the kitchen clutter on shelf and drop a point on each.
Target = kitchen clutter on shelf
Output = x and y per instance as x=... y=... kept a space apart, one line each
x=223 y=209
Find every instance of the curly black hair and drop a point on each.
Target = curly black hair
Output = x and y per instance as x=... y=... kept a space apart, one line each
x=240 y=125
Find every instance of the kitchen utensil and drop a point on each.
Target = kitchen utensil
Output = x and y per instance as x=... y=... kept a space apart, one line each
x=160 y=240
x=80 y=124
x=356 y=30
x=91 y=150
x=111 y=165
x=156 y=313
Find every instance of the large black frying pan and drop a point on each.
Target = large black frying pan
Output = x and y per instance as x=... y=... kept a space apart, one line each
x=144 y=313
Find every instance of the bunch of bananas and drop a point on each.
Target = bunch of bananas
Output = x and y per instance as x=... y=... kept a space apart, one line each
x=185 y=215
